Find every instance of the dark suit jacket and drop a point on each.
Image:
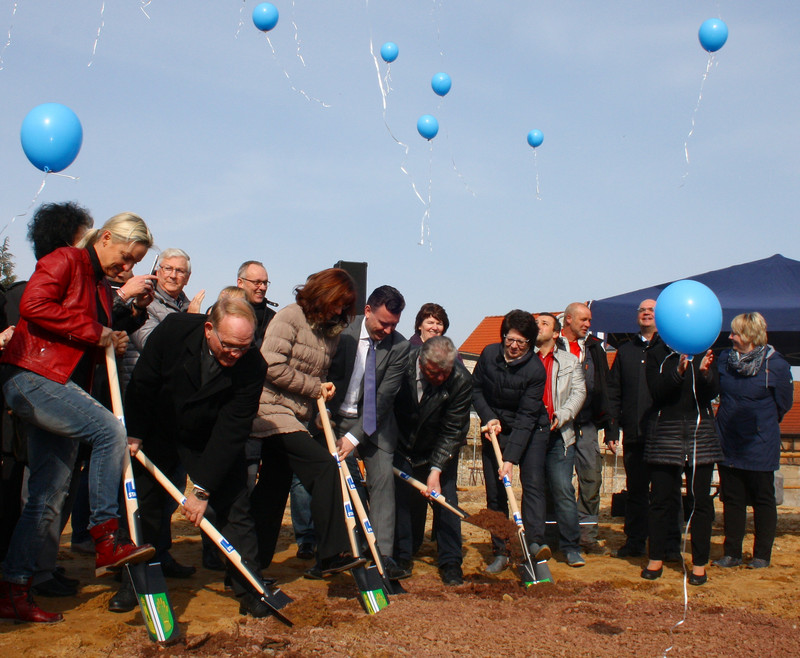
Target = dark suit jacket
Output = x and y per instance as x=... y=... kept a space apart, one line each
x=165 y=403
x=391 y=356
x=431 y=430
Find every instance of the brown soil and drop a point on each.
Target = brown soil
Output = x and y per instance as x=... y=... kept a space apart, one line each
x=602 y=609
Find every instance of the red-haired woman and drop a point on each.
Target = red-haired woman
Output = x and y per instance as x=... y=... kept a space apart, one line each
x=298 y=346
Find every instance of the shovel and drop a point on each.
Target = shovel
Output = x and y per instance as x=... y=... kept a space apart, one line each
x=148 y=579
x=435 y=495
x=274 y=599
x=374 y=596
x=529 y=573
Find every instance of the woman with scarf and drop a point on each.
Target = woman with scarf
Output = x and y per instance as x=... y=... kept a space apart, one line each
x=755 y=392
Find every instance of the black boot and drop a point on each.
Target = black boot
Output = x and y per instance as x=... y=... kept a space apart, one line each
x=125 y=599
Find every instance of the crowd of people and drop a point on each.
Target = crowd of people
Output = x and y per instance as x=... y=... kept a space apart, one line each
x=226 y=399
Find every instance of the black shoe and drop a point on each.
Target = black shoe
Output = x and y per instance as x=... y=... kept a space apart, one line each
x=305 y=552
x=540 y=552
x=698 y=580
x=393 y=571
x=53 y=587
x=594 y=548
x=314 y=573
x=338 y=563
x=177 y=570
x=212 y=561
x=125 y=599
x=60 y=575
x=626 y=550
x=251 y=604
x=726 y=562
x=451 y=574
x=647 y=574
x=404 y=564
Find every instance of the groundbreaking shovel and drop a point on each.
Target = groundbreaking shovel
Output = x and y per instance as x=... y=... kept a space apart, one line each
x=274 y=599
x=439 y=498
x=529 y=572
x=148 y=579
x=374 y=596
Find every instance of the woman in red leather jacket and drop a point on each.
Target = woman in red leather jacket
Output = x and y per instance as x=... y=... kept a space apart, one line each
x=46 y=372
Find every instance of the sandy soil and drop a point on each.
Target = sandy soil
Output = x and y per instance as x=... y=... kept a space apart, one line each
x=602 y=609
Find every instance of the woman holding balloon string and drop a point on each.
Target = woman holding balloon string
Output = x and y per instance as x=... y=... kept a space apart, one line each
x=681 y=436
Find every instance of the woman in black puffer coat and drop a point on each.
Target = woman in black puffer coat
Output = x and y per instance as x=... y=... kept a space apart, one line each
x=681 y=435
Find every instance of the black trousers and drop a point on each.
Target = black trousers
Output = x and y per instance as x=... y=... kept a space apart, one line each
x=740 y=488
x=301 y=454
x=230 y=505
x=637 y=504
x=665 y=507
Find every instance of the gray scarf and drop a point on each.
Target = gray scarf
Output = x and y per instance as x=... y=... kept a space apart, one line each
x=747 y=364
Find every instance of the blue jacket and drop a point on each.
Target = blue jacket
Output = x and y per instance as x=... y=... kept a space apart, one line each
x=750 y=411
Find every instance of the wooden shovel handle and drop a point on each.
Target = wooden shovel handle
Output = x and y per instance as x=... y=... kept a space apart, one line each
x=512 y=498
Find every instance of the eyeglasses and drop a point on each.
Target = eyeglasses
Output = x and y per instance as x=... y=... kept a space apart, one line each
x=522 y=342
x=257 y=283
x=234 y=350
x=645 y=309
x=178 y=271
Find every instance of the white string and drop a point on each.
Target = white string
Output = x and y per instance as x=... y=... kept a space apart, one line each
x=241 y=20
x=536 y=169
x=297 y=38
x=8 y=41
x=425 y=228
x=694 y=114
x=289 y=79
x=143 y=5
x=99 y=29
x=36 y=197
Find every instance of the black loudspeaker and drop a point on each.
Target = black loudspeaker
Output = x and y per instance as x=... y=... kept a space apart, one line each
x=359 y=273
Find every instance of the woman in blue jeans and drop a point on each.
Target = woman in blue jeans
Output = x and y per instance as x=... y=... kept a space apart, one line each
x=47 y=368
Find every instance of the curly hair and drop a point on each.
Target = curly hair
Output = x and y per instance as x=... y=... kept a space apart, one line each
x=55 y=225
x=521 y=321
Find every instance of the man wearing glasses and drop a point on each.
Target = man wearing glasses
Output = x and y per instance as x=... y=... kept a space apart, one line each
x=191 y=401
x=253 y=279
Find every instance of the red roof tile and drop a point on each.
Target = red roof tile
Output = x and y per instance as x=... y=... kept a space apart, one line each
x=486 y=333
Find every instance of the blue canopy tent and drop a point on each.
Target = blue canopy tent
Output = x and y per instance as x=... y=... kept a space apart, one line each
x=770 y=286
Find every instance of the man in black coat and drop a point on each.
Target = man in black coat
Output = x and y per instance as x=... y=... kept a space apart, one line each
x=432 y=415
x=192 y=399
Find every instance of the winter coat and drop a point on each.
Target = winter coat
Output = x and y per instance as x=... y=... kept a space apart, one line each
x=569 y=392
x=630 y=402
x=750 y=412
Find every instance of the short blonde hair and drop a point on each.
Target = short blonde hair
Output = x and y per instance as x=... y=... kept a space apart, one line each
x=125 y=227
x=752 y=327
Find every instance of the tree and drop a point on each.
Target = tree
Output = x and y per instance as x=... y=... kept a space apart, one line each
x=7 y=276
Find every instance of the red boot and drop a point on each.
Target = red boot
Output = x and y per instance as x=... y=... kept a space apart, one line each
x=113 y=552
x=17 y=605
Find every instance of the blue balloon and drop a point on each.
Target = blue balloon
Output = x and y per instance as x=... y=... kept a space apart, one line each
x=265 y=16
x=51 y=136
x=688 y=316
x=535 y=138
x=427 y=126
x=441 y=84
x=389 y=52
x=713 y=34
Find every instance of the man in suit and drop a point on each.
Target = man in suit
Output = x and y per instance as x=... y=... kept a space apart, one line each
x=432 y=415
x=192 y=399
x=367 y=370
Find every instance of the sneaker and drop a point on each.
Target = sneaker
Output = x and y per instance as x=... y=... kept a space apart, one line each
x=499 y=564
x=574 y=559
x=758 y=563
x=540 y=552
x=451 y=574
x=726 y=562
x=626 y=550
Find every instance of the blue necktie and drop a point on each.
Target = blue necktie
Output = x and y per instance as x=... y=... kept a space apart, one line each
x=370 y=406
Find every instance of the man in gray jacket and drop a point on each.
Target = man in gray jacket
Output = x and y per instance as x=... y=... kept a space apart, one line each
x=563 y=398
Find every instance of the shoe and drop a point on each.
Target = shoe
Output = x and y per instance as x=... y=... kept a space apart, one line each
x=696 y=580
x=626 y=550
x=338 y=563
x=594 y=548
x=125 y=599
x=758 y=563
x=726 y=562
x=574 y=559
x=451 y=574
x=314 y=573
x=53 y=588
x=177 y=570
x=404 y=564
x=305 y=552
x=251 y=604
x=499 y=564
x=212 y=561
x=86 y=547
x=673 y=556
x=60 y=575
x=17 y=605
x=114 y=552
x=647 y=574
x=394 y=571
x=540 y=552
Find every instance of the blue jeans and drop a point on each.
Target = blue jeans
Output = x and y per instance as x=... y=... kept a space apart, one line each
x=559 y=464
x=59 y=416
x=300 y=505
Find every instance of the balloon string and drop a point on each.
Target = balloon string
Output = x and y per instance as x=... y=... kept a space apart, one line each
x=425 y=228
x=694 y=114
x=143 y=5
x=297 y=38
x=289 y=79
x=99 y=29
x=8 y=41
x=241 y=20
x=30 y=205
x=536 y=168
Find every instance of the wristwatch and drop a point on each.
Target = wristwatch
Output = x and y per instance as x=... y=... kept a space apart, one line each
x=200 y=494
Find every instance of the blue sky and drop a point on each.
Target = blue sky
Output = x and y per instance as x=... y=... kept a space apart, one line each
x=190 y=121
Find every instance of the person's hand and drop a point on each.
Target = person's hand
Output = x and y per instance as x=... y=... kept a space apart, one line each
x=194 y=510
x=138 y=285
x=106 y=337
x=683 y=363
x=196 y=305
x=134 y=445
x=505 y=470
x=554 y=423
x=327 y=390
x=492 y=424
x=121 y=342
x=708 y=359
x=344 y=447
x=318 y=420
x=5 y=336
x=612 y=446
x=434 y=484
